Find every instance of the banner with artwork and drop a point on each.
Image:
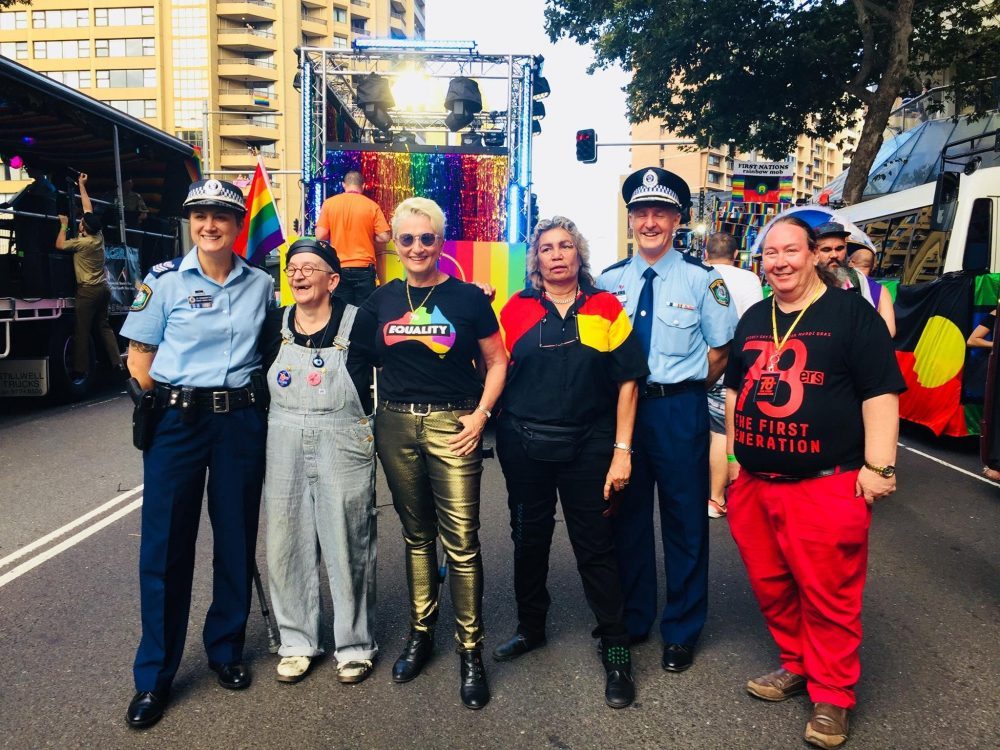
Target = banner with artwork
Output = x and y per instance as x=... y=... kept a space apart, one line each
x=763 y=182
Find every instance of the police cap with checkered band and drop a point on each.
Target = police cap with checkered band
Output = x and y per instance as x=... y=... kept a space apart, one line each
x=654 y=186
x=215 y=194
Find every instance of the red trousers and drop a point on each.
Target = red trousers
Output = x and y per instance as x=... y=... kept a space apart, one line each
x=805 y=547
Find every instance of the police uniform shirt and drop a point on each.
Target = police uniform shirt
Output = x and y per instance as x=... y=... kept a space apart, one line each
x=691 y=307
x=206 y=332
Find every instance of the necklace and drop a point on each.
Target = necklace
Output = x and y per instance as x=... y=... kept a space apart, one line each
x=563 y=300
x=317 y=360
x=422 y=304
x=772 y=361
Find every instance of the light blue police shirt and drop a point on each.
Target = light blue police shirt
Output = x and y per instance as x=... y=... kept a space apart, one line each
x=206 y=332
x=692 y=307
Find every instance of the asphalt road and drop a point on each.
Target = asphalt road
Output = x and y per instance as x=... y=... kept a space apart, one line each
x=69 y=626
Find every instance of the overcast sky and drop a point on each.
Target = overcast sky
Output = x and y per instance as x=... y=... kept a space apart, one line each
x=586 y=193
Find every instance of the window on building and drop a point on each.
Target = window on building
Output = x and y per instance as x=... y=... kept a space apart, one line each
x=14 y=50
x=194 y=137
x=138 y=47
x=714 y=178
x=339 y=42
x=714 y=160
x=359 y=26
x=13 y=20
x=340 y=15
x=124 y=16
x=77 y=79
x=134 y=78
x=59 y=19
x=61 y=50
x=144 y=108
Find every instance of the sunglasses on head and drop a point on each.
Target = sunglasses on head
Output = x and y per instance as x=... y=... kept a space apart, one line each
x=427 y=239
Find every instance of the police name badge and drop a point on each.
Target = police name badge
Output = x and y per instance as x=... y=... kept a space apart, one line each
x=620 y=294
x=141 y=298
x=200 y=300
x=720 y=292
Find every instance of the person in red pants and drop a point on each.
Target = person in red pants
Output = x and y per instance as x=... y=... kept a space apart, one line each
x=812 y=417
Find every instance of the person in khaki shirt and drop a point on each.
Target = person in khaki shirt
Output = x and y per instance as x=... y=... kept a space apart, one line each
x=93 y=295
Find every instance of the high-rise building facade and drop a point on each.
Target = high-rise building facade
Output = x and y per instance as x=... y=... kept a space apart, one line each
x=217 y=73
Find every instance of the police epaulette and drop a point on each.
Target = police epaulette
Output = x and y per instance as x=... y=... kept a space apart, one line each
x=620 y=264
x=696 y=262
x=161 y=268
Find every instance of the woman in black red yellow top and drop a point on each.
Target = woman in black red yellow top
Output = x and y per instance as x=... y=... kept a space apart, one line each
x=566 y=427
x=433 y=406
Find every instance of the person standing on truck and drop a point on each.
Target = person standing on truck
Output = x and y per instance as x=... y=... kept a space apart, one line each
x=194 y=327
x=353 y=223
x=93 y=295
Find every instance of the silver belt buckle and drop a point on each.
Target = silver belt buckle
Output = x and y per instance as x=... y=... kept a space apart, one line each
x=220 y=402
x=414 y=412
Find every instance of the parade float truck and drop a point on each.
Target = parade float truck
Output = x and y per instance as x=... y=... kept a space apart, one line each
x=57 y=133
x=433 y=119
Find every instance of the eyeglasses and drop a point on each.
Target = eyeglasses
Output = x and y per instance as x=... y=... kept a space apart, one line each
x=427 y=239
x=306 y=270
x=570 y=320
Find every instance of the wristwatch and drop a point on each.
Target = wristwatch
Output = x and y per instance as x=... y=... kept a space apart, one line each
x=623 y=447
x=883 y=471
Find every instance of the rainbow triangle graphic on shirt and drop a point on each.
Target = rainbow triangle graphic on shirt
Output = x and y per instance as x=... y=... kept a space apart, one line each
x=433 y=330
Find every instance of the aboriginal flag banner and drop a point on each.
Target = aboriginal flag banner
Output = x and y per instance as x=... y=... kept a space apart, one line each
x=754 y=189
x=933 y=322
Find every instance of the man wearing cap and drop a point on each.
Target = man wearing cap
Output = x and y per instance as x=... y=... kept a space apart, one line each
x=681 y=311
x=353 y=223
x=831 y=247
x=93 y=295
x=193 y=330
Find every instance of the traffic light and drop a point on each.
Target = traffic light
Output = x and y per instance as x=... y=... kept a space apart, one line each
x=586 y=146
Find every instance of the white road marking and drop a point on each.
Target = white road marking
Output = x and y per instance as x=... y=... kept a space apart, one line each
x=959 y=469
x=48 y=554
x=68 y=527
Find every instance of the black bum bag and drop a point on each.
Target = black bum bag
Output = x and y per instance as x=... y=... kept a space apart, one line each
x=545 y=442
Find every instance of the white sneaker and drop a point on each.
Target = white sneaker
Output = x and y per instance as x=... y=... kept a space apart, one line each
x=715 y=509
x=293 y=668
x=349 y=672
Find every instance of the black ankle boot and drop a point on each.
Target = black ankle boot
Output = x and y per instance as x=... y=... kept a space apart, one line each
x=416 y=654
x=475 y=690
x=619 y=687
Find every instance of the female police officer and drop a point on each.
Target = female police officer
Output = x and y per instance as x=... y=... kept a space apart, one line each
x=193 y=330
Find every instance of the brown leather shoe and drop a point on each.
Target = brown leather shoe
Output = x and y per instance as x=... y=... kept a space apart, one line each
x=777 y=686
x=828 y=726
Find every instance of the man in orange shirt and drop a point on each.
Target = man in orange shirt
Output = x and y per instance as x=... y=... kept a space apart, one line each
x=353 y=223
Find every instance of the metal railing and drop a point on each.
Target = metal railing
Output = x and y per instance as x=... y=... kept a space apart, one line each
x=237 y=29
x=247 y=61
x=942 y=102
x=253 y=121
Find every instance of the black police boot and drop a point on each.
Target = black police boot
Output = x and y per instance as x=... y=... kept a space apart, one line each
x=416 y=654
x=619 y=687
x=475 y=690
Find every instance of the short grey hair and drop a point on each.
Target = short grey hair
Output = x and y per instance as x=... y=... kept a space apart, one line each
x=582 y=249
x=419 y=207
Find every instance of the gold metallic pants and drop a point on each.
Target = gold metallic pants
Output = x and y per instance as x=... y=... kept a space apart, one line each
x=435 y=492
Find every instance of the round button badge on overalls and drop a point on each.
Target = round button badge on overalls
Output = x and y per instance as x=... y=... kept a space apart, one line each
x=284 y=378
x=314 y=378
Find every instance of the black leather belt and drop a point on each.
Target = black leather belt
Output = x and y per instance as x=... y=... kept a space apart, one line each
x=422 y=410
x=659 y=390
x=217 y=401
x=800 y=478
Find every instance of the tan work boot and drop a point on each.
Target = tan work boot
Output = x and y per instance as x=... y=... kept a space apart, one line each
x=828 y=726
x=777 y=686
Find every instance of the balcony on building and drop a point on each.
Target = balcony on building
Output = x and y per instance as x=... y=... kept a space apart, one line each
x=247 y=69
x=253 y=11
x=243 y=99
x=361 y=8
x=397 y=6
x=314 y=3
x=249 y=128
x=246 y=38
x=314 y=25
x=418 y=12
x=231 y=156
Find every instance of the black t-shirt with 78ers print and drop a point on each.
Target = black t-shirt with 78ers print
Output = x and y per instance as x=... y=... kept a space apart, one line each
x=427 y=354
x=800 y=413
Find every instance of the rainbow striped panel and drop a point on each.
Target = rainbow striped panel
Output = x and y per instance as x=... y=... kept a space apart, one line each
x=787 y=191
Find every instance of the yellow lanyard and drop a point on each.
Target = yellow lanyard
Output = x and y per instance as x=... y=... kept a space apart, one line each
x=780 y=344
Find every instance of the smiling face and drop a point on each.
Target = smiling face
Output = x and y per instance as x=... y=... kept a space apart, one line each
x=315 y=288
x=788 y=262
x=214 y=230
x=419 y=260
x=558 y=259
x=653 y=228
x=832 y=251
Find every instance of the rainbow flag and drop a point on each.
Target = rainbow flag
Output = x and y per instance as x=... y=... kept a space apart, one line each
x=262 y=230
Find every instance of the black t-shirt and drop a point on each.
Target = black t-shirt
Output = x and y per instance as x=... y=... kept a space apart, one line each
x=360 y=354
x=427 y=354
x=566 y=371
x=805 y=416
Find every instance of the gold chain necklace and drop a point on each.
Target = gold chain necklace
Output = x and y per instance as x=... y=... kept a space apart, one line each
x=772 y=361
x=422 y=304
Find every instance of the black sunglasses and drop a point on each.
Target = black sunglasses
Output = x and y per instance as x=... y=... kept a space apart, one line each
x=427 y=239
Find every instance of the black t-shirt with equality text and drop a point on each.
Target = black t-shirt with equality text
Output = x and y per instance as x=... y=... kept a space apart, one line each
x=801 y=414
x=427 y=353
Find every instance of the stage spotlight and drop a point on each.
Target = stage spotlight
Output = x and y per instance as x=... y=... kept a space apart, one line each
x=297 y=81
x=381 y=136
x=462 y=102
x=494 y=139
x=472 y=138
x=375 y=99
x=540 y=87
x=404 y=136
x=537 y=110
x=536 y=127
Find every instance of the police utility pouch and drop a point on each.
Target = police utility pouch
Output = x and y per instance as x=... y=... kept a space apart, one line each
x=143 y=415
x=543 y=442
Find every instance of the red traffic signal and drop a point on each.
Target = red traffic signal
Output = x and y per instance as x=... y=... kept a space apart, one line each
x=586 y=146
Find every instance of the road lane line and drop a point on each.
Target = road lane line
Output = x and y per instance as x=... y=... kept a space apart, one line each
x=67 y=528
x=48 y=554
x=950 y=466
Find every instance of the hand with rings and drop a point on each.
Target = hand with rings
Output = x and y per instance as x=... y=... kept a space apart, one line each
x=618 y=473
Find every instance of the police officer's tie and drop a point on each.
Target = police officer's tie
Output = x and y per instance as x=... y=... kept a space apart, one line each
x=644 y=311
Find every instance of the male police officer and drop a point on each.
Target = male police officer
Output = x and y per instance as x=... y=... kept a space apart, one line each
x=193 y=329
x=681 y=311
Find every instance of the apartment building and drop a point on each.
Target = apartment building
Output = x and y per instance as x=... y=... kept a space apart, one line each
x=217 y=73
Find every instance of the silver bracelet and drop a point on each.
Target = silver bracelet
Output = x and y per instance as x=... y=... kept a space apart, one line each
x=484 y=410
x=623 y=447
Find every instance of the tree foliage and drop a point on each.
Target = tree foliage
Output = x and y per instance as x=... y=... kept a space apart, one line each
x=10 y=3
x=762 y=72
